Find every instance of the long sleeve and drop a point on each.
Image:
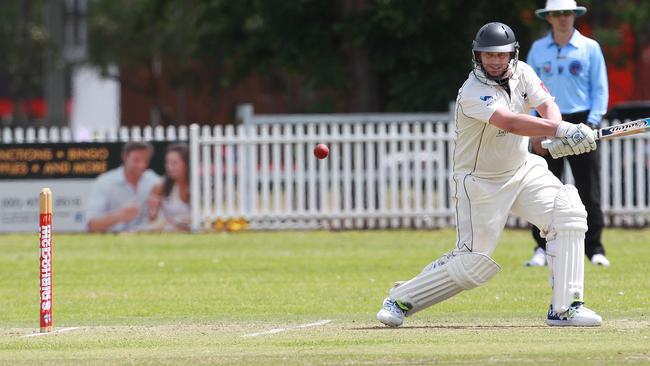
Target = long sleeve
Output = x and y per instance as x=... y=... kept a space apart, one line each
x=599 y=89
x=530 y=60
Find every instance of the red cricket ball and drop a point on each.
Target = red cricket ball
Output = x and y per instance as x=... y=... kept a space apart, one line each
x=321 y=151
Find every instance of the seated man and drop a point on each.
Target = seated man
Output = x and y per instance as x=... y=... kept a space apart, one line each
x=119 y=196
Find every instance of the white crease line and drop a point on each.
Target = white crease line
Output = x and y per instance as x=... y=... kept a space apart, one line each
x=278 y=330
x=62 y=330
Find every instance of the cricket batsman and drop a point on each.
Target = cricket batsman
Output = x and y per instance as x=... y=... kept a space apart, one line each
x=495 y=175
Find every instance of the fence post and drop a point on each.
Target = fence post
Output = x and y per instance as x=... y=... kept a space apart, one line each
x=244 y=114
x=194 y=178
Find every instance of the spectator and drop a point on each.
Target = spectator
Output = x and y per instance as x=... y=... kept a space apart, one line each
x=169 y=203
x=572 y=66
x=118 y=199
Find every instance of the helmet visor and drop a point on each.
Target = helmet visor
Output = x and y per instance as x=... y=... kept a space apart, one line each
x=512 y=47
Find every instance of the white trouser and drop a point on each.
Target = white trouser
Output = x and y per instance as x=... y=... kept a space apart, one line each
x=483 y=205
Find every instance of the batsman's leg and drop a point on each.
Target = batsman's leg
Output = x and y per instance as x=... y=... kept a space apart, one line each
x=479 y=222
x=558 y=211
x=565 y=251
x=439 y=281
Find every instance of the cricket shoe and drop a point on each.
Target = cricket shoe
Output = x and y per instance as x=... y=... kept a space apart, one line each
x=600 y=260
x=391 y=314
x=538 y=259
x=577 y=316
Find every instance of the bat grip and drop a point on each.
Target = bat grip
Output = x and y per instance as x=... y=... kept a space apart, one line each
x=546 y=143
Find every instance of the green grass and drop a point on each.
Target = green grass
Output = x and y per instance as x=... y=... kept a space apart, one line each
x=190 y=299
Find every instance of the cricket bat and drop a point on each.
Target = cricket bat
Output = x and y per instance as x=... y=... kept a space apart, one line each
x=622 y=129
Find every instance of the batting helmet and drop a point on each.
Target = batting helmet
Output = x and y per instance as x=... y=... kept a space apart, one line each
x=495 y=37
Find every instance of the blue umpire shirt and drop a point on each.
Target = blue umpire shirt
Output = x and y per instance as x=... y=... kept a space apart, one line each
x=574 y=74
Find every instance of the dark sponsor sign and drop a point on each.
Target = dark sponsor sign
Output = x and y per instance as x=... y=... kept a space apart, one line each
x=67 y=160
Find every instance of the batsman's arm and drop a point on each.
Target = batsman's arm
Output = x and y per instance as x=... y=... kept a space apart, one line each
x=549 y=110
x=523 y=124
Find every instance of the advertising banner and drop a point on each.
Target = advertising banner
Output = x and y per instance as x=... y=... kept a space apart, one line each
x=68 y=169
x=19 y=205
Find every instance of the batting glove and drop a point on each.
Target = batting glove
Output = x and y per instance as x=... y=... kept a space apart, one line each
x=580 y=137
x=558 y=148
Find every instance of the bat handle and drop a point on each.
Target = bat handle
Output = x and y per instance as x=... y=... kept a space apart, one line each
x=546 y=143
x=598 y=133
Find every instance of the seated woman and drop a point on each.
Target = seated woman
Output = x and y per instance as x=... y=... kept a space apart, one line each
x=169 y=202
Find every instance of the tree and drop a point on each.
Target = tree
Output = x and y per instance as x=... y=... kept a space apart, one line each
x=22 y=39
x=409 y=55
x=213 y=44
x=146 y=35
x=422 y=49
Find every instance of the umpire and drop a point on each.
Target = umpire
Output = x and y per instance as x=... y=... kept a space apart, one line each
x=572 y=66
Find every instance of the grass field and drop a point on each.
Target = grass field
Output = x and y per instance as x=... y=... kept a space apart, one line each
x=283 y=298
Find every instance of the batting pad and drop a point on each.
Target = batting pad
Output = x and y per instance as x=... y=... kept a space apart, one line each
x=565 y=252
x=463 y=271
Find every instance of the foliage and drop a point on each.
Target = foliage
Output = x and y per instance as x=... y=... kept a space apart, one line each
x=634 y=12
x=266 y=36
x=147 y=34
x=209 y=45
x=418 y=51
x=22 y=39
x=422 y=48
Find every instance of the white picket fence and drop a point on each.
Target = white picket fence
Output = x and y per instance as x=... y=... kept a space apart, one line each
x=54 y=134
x=384 y=170
x=378 y=174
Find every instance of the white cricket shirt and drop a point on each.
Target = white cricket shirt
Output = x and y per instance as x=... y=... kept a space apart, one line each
x=482 y=149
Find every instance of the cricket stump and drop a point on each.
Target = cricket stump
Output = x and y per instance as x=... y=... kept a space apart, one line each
x=45 y=253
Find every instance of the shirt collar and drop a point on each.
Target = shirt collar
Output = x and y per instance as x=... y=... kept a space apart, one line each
x=575 y=41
